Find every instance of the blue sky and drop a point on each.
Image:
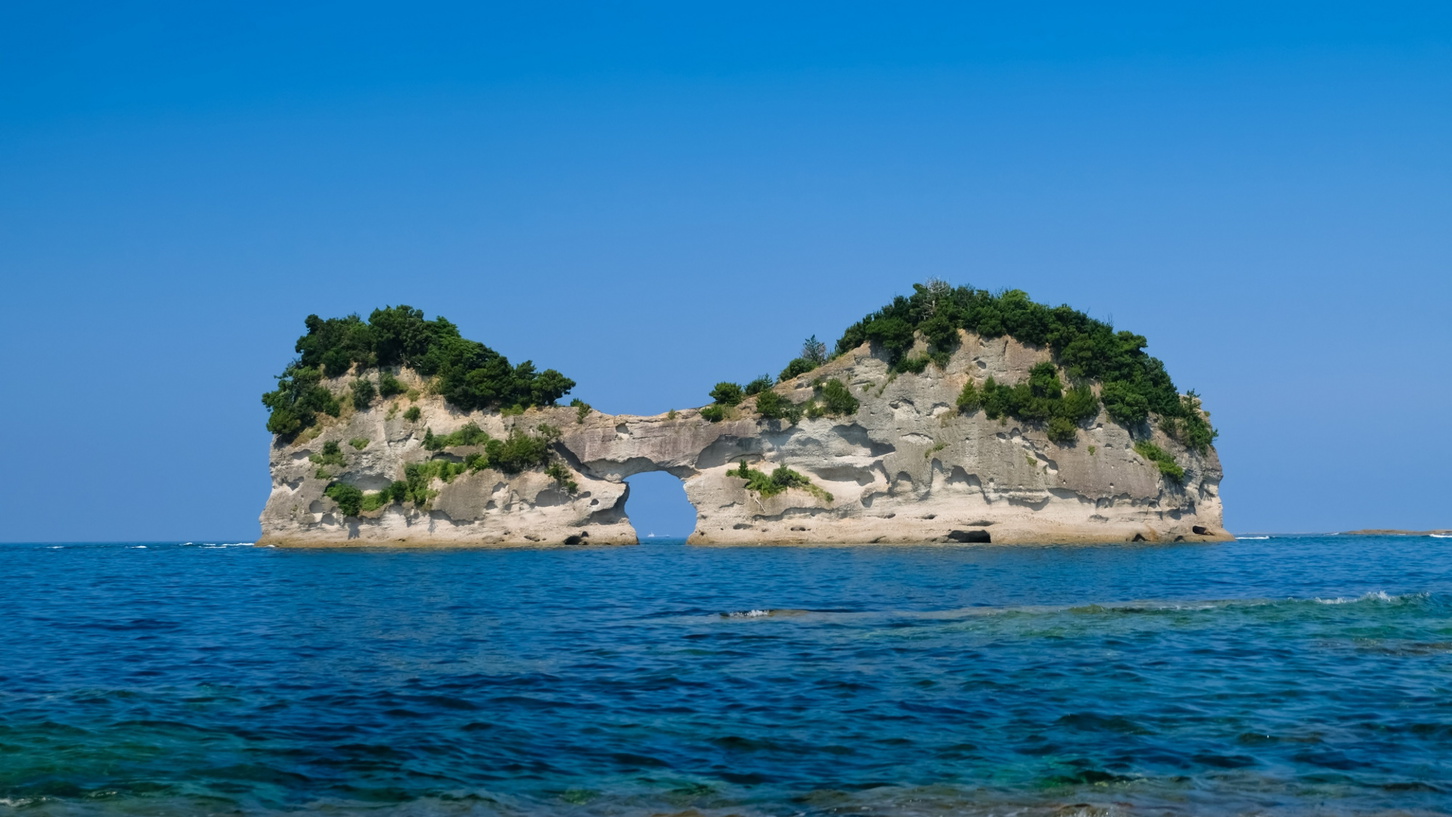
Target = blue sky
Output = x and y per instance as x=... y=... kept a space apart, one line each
x=654 y=197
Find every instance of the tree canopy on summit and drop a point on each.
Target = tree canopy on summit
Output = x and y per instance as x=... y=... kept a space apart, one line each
x=470 y=375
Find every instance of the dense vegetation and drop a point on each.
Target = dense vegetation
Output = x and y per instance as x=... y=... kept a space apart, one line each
x=517 y=452
x=1041 y=399
x=331 y=455
x=830 y=397
x=836 y=399
x=1160 y=458
x=773 y=406
x=777 y=482
x=1134 y=384
x=470 y=375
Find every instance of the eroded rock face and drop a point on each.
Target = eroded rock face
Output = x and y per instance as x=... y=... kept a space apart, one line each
x=907 y=467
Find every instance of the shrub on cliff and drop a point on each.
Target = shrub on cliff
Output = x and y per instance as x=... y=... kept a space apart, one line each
x=363 y=393
x=582 y=409
x=1040 y=399
x=758 y=385
x=388 y=385
x=471 y=376
x=352 y=500
x=561 y=475
x=348 y=497
x=727 y=394
x=1062 y=430
x=331 y=454
x=772 y=406
x=297 y=400
x=970 y=398
x=798 y=366
x=913 y=365
x=418 y=476
x=777 y=482
x=470 y=434
x=1126 y=406
x=1161 y=459
x=837 y=399
x=519 y=451
x=1079 y=405
x=1192 y=429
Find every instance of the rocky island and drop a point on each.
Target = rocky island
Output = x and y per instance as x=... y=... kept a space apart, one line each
x=951 y=415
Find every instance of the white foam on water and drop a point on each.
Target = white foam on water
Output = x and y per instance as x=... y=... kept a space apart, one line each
x=138 y=547
x=749 y=614
x=1379 y=595
x=1252 y=537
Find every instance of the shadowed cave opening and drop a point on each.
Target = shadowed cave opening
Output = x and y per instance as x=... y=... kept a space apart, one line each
x=657 y=505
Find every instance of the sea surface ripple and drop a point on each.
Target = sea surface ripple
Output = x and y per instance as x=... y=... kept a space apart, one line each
x=1289 y=675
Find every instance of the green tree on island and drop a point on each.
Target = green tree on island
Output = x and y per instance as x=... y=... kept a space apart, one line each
x=470 y=375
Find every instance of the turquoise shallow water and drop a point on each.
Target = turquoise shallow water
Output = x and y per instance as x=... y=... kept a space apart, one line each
x=1288 y=675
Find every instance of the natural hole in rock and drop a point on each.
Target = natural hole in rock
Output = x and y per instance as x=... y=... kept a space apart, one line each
x=658 y=508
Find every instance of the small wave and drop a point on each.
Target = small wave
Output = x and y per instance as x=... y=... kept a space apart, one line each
x=1151 y=606
x=1378 y=596
x=53 y=547
x=1242 y=538
x=1144 y=607
x=138 y=547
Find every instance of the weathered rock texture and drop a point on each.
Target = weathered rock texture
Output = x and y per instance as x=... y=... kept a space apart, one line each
x=907 y=467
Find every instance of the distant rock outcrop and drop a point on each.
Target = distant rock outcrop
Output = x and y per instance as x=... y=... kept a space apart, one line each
x=907 y=466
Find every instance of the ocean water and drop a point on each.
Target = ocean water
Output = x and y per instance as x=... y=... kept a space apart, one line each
x=1289 y=675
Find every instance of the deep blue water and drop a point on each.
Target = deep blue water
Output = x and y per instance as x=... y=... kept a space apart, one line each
x=1287 y=675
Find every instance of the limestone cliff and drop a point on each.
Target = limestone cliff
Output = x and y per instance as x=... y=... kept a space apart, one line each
x=908 y=466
